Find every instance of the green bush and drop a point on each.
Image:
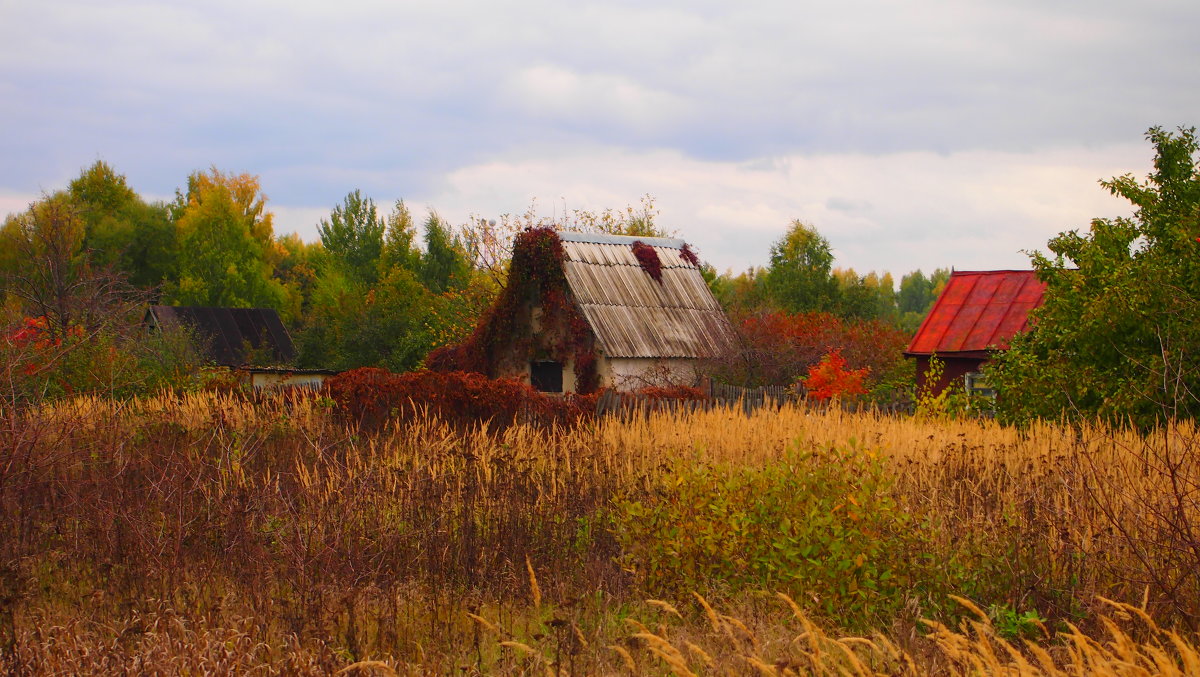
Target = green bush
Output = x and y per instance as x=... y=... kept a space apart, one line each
x=819 y=524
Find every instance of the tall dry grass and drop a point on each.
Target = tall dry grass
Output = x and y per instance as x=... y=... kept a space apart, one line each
x=161 y=529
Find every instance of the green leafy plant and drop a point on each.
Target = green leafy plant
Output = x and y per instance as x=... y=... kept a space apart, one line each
x=819 y=524
x=1011 y=624
x=1113 y=337
x=950 y=401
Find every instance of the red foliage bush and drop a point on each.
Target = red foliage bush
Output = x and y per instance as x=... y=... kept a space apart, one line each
x=648 y=259
x=831 y=379
x=778 y=348
x=371 y=396
x=672 y=392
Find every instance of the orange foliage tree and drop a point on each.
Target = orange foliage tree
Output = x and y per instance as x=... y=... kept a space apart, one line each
x=830 y=379
x=779 y=348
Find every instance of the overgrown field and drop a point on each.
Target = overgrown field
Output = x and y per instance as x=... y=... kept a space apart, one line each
x=214 y=533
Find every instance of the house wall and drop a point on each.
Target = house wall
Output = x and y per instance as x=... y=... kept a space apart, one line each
x=286 y=380
x=622 y=373
x=631 y=373
x=955 y=369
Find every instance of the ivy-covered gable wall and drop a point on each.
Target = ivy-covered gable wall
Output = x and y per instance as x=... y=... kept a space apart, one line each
x=534 y=318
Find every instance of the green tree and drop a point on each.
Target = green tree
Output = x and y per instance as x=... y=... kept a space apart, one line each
x=916 y=292
x=1117 y=332
x=444 y=264
x=799 y=277
x=917 y=295
x=868 y=297
x=228 y=252
x=353 y=236
x=123 y=231
x=350 y=326
x=46 y=268
x=399 y=238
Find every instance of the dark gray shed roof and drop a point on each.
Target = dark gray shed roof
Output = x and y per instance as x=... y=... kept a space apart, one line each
x=631 y=314
x=227 y=331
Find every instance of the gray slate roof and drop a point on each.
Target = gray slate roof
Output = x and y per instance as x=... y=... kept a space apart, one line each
x=631 y=314
x=227 y=331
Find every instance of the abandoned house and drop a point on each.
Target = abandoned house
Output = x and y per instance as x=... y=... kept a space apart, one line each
x=588 y=311
x=251 y=340
x=977 y=314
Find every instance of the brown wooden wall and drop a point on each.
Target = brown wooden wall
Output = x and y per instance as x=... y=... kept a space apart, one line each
x=956 y=368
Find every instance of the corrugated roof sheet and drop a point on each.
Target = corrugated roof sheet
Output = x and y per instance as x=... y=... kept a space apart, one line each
x=633 y=315
x=226 y=331
x=978 y=311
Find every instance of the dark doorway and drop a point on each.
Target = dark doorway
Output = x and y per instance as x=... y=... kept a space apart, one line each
x=546 y=376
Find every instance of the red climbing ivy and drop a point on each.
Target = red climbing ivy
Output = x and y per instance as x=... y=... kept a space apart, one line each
x=647 y=257
x=536 y=277
x=688 y=255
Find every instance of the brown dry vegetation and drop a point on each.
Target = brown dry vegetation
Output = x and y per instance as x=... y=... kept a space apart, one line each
x=208 y=533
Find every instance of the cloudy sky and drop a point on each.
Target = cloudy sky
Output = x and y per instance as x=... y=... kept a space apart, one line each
x=912 y=134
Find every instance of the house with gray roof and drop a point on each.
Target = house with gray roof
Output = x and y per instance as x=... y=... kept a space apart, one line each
x=584 y=311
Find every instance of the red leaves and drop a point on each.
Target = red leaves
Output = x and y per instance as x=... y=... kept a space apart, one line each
x=688 y=255
x=371 y=396
x=648 y=259
x=673 y=392
x=34 y=335
x=777 y=348
x=830 y=379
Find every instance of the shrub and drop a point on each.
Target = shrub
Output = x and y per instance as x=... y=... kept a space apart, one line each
x=370 y=396
x=820 y=525
x=778 y=348
x=831 y=380
x=35 y=364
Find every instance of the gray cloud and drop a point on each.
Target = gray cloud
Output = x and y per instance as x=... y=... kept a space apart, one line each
x=400 y=98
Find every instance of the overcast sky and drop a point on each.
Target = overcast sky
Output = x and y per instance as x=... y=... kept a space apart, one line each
x=912 y=134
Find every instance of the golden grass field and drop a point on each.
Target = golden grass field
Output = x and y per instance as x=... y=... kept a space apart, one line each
x=211 y=534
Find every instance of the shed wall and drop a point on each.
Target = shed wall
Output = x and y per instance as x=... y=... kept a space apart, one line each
x=631 y=373
x=955 y=369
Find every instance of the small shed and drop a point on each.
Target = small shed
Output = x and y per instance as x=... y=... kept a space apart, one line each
x=976 y=315
x=585 y=310
x=230 y=337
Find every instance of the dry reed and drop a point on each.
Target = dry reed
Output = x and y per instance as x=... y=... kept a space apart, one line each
x=156 y=531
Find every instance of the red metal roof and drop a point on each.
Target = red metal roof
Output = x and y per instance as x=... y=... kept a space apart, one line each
x=978 y=311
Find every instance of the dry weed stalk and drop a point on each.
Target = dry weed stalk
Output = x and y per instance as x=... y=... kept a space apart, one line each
x=329 y=537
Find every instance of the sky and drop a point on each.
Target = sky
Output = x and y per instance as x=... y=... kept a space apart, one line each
x=917 y=134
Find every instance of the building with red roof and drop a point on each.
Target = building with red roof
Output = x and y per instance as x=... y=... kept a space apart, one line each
x=977 y=314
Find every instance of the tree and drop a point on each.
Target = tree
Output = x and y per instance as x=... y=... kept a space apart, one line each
x=123 y=231
x=633 y=221
x=399 y=237
x=444 y=265
x=1116 y=334
x=799 y=277
x=353 y=236
x=917 y=295
x=47 y=268
x=230 y=252
x=387 y=325
x=916 y=292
